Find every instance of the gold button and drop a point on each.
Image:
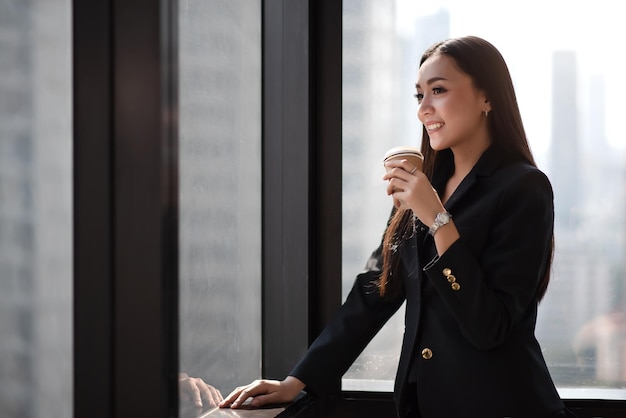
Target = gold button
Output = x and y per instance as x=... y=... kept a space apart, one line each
x=451 y=278
x=446 y=272
x=427 y=353
x=455 y=286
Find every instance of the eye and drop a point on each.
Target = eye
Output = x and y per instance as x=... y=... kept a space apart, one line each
x=438 y=90
x=419 y=97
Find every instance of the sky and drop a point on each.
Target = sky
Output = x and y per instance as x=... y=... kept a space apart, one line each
x=527 y=33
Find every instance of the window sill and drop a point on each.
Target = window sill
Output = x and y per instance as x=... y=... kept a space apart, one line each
x=579 y=393
x=230 y=413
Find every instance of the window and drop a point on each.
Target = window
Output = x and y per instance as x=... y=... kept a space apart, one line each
x=569 y=88
x=220 y=191
x=35 y=209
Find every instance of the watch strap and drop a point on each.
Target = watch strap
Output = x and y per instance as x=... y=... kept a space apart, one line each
x=442 y=218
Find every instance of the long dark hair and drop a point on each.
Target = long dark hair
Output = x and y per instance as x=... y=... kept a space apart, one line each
x=485 y=65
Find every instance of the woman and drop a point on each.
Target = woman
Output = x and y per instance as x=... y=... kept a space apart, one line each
x=471 y=257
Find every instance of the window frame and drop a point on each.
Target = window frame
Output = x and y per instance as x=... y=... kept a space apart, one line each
x=92 y=201
x=126 y=209
x=286 y=135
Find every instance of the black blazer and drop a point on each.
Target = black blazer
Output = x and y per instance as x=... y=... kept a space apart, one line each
x=469 y=344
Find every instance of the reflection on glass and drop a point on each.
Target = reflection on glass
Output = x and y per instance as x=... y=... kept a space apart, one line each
x=220 y=191
x=569 y=90
x=35 y=209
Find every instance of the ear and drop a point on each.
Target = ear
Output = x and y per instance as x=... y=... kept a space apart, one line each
x=487 y=105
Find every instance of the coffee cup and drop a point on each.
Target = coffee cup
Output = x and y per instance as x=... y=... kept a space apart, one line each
x=411 y=154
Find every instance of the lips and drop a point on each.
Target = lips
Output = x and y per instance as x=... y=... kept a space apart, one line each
x=430 y=127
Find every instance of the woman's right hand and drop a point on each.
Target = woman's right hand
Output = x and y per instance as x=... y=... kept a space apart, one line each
x=264 y=392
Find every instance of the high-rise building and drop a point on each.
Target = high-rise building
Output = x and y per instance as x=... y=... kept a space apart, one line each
x=370 y=108
x=35 y=209
x=16 y=221
x=564 y=152
x=220 y=191
x=587 y=259
x=428 y=30
x=379 y=71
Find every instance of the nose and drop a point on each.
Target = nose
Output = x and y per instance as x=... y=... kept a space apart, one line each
x=425 y=108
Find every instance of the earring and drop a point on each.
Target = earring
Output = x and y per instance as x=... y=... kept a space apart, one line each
x=486 y=113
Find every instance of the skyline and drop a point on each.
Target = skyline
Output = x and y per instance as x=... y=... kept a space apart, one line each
x=594 y=34
x=578 y=155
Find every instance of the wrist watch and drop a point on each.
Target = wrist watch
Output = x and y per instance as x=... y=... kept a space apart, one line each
x=441 y=219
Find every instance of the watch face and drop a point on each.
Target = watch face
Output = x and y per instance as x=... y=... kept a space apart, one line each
x=443 y=217
x=440 y=220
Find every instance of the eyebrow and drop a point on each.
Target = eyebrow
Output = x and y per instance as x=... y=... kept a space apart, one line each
x=431 y=81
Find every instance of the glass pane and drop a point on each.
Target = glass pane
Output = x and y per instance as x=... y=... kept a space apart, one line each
x=220 y=191
x=35 y=209
x=371 y=103
x=569 y=90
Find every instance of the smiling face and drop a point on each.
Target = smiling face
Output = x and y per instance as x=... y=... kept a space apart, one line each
x=451 y=108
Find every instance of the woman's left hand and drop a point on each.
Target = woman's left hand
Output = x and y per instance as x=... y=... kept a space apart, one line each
x=413 y=187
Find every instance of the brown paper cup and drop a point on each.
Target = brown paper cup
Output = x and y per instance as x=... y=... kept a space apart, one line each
x=411 y=154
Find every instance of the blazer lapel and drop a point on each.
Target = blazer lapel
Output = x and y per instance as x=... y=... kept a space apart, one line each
x=462 y=188
x=486 y=165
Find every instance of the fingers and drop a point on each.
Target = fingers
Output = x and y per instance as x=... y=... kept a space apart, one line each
x=256 y=388
x=262 y=392
x=235 y=395
x=394 y=186
x=398 y=178
x=409 y=190
x=404 y=166
x=261 y=400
